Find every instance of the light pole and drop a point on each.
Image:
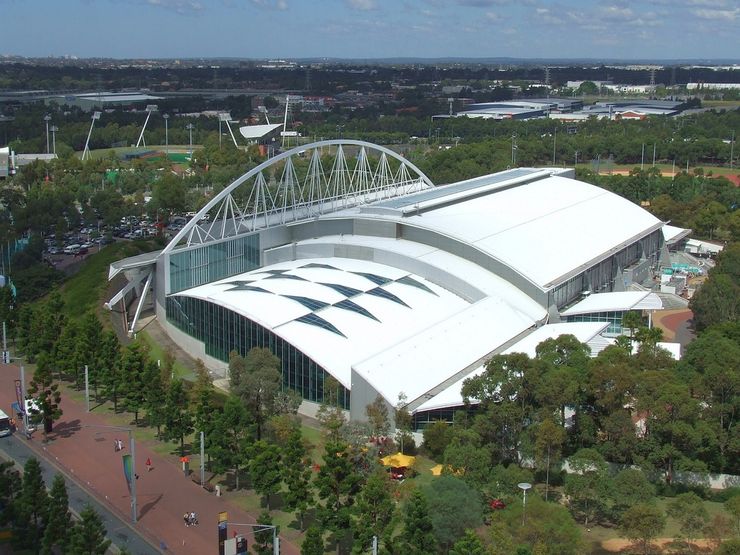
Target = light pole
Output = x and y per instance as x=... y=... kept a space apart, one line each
x=554 y=145
x=132 y=450
x=190 y=128
x=166 y=135
x=54 y=130
x=47 y=119
x=524 y=486
x=262 y=528
x=513 y=149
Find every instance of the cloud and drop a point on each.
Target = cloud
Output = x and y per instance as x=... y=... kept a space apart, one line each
x=362 y=5
x=280 y=5
x=728 y=15
x=482 y=3
x=493 y=16
x=179 y=6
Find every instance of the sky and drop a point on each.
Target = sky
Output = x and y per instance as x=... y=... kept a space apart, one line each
x=594 y=29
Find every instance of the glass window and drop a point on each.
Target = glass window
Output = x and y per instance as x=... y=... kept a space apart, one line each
x=376 y=279
x=383 y=294
x=342 y=289
x=319 y=322
x=346 y=304
x=408 y=280
x=312 y=304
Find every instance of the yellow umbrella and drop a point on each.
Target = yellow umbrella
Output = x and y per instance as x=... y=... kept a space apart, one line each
x=398 y=460
x=437 y=470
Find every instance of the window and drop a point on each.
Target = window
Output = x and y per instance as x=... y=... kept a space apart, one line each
x=342 y=289
x=346 y=304
x=383 y=294
x=408 y=280
x=376 y=279
x=311 y=304
x=315 y=265
x=319 y=322
x=286 y=276
x=249 y=288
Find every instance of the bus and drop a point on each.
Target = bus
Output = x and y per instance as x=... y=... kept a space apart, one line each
x=4 y=424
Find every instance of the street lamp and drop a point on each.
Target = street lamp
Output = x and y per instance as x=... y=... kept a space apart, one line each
x=47 y=119
x=132 y=450
x=262 y=528
x=524 y=486
x=166 y=135
x=190 y=128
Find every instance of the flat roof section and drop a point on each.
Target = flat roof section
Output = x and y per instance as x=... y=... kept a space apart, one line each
x=621 y=301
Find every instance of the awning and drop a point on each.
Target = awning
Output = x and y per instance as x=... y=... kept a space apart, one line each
x=398 y=460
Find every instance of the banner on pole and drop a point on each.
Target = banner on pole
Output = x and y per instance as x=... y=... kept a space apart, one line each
x=223 y=518
x=19 y=396
x=128 y=469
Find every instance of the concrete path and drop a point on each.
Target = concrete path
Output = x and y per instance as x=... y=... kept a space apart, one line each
x=83 y=447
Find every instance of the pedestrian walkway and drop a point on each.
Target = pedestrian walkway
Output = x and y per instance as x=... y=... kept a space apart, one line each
x=83 y=446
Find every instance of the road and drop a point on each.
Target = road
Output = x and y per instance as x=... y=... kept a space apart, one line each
x=15 y=448
x=82 y=446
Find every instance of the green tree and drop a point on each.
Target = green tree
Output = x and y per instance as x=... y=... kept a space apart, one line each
x=587 y=485
x=642 y=523
x=466 y=457
x=266 y=475
x=30 y=508
x=732 y=506
x=548 y=446
x=88 y=535
x=377 y=417
x=111 y=371
x=313 y=542
x=437 y=437
x=417 y=537
x=689 y=510
x=729 y=547
x=134 y=363
x=337 y=483
x=259 y=385
x=263 y=544
x=10 y=488
x=178 y=422
x=469 y=544
x=373 y=512
x=296 y=474
x=454 y=507
x=549 y=528
x=230 y=447
x=631 y=487
x=330 y=413
x=156 y=399
x=58 y=520
x=45 y=390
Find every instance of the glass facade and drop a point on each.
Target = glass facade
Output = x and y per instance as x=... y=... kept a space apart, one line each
x=614 y=318
x=195 y=266
x=425 y=418
x=223 y=331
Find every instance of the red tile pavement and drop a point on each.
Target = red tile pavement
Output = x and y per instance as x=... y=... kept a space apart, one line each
x=163 y=494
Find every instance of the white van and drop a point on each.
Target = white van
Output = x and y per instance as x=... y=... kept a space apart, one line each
x=72 y=249
x=4 y=424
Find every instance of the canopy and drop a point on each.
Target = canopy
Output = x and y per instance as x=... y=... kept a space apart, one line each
x=398 y=460
x=437 y=470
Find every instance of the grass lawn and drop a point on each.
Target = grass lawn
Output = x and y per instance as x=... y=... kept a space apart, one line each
x=156 y=352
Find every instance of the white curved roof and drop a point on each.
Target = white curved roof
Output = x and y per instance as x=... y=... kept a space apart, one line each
x=339 y=317
x=546 y=228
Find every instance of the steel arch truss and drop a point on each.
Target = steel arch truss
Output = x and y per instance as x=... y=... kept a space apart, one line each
x=300 y=184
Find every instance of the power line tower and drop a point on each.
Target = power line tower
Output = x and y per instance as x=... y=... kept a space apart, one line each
x=652 y=76
x=547 y=76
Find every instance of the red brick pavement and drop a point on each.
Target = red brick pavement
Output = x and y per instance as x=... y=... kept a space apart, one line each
x=163 y=494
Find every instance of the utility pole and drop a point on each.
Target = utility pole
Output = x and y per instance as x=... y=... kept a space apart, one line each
x=642 y=160
x=202 y=459
x=732 y=148
x=554 y=145
x=47 y=119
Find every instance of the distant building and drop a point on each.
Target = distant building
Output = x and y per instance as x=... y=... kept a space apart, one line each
x=100 y=101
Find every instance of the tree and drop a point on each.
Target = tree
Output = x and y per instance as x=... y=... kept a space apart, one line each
x=88 y=535
x=337 y=483
x=718 y=528
x=111 y=371
x=732 y=506
x=549 y=530
x=548 y=444
x=466 y=457
x=417 y=537
x=373 y=512
x=45 y=390
x=10 y=488
x=630 y=488
x=588 y=484
x=263 y=544
x=156 y=399
x=330 y=414
x=259 y=385
x=469 y=544
x=30 y=508
x=202 y=398
x=377 y=416
x=454 y=507
x=229 y=448
x=437 y=437
x=134 y=373
x=266 y=475
x=313 y=542
x=729 y=547
x=404 y=422
x=296 y=474
x=58 y=520
x=178 y=421
x=689 y=510
x=642 y=523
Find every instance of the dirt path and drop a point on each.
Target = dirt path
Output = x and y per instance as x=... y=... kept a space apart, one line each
x=83 y=446
x=617 y=545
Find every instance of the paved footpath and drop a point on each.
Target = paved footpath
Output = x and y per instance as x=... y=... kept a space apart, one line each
x=83 y=448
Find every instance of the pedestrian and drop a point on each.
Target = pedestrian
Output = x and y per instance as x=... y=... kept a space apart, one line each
x=193 y=518
x=115 y=445
x=148 y=464
x=186 y=518
x=120 y=445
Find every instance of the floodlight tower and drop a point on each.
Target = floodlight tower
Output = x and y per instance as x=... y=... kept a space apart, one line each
x=450 y=100
x=54 y=130
x=190 y=128
x=149 y=109
x=166 y=134
x=47 y=119
x=225 y=117
x=86 y=152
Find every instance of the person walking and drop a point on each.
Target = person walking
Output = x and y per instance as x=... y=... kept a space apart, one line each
x=116 y=448
x=148 y=464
